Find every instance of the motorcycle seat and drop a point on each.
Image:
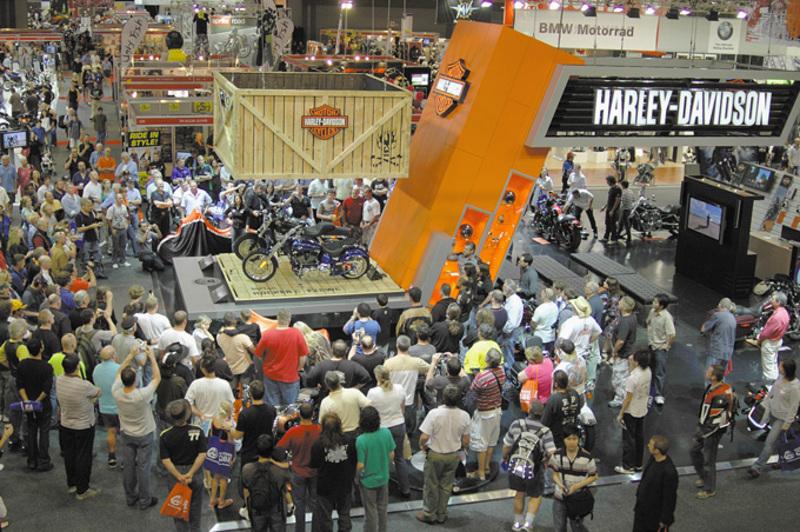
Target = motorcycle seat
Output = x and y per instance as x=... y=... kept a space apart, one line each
x=334 y=248
x=325 y=228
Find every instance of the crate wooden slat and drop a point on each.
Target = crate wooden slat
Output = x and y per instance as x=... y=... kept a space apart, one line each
x=259 y=133
x=286 y=285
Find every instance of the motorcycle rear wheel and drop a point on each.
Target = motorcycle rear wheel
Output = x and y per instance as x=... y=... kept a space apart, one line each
x=260 y=267
x=355 y=267
x=248 y=243
x=570 y=238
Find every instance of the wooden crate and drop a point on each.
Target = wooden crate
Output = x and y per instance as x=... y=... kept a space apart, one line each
x=306 y=125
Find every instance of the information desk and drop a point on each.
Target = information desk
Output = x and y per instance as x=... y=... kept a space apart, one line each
x=775 y=255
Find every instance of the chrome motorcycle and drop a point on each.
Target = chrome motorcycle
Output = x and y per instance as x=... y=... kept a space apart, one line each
x=553 y=224
x=308 y=251
x=646 y=217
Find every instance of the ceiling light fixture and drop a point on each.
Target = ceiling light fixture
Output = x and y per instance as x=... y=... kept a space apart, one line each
x=554 y=5
x=650 y=10
x=685 y=12
x=742 y=14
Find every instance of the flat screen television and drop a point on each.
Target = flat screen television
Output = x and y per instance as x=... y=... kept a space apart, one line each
x=706 y=217
x=420 y=80
x=14 y=139
x=758 y=178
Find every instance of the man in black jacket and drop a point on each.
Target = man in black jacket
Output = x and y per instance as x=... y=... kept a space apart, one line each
x=657 y=493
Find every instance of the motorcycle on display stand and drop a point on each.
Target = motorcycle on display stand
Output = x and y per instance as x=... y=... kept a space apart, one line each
x=646 y=217
x=308 y=250
x=553 y=224
x=750 y=320
x=645 y=175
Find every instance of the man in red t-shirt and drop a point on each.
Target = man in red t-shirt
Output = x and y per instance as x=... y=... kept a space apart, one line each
x=283 y=352
x=299 y=440
x=353 y=208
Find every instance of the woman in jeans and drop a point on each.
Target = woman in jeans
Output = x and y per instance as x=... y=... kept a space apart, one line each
x=573 y=470
x=375 y=451
x=389 y=399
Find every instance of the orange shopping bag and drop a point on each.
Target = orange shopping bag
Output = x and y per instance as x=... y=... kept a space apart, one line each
x=177 y=503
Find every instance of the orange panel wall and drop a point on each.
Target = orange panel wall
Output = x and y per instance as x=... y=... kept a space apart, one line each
x=466 y=156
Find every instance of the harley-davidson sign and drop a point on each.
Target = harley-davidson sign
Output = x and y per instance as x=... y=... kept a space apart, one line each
x=324 y=122
x=450 y=87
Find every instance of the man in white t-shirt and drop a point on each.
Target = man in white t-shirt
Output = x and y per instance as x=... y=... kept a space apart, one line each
x=150 y=322
x=633 y=411
x=582 y=329
x=207 y=394
x=177 y=334
x=93 y=190
x=580 y=201
x=371 y=213
x=576 y=180
x=544 y=319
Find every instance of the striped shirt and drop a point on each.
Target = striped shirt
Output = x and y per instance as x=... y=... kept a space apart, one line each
x=488 y=385
x=571 y=471
x=529 y=425
x=76 y=398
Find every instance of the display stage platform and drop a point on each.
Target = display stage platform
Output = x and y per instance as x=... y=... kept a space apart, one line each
x=214 y=287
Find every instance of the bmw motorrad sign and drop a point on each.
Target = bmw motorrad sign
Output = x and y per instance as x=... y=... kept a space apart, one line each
x=602 y=106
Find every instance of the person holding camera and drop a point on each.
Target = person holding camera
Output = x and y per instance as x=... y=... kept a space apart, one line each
x=445 y=369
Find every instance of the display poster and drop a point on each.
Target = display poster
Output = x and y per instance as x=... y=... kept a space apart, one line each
x=144 y=139
x=606 y=31
x=724 y=36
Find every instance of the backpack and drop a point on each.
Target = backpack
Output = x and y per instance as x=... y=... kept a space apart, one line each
x=86 y=351
x=527 y=453
x=528 y=394
x=265 y=494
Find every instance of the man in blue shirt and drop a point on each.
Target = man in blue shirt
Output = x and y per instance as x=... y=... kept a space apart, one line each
x=103 y=377
x=8 y=177
x=360 y=323
x=126 y=165
x=134 y=198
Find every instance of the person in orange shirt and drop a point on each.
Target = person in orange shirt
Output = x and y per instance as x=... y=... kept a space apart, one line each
x=106 y=165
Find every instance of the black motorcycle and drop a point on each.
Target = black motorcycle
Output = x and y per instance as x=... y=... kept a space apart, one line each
x=646 y=217
x=645 y=174
x=553 y=224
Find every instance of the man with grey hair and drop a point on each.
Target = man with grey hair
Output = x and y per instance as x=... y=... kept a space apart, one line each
x=344 y=402
x=488 y=387
x=404 y=370
x=720 y=329
x=126 y=165
x=161 y=204
x=770 y=338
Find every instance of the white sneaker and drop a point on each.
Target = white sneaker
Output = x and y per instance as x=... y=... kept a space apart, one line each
x=517 y=527
x=659 y=400
x=91 y=492
x=2 y=467
x=622 y=471
x=127 y=263
x=243 y=513
x=115 y=265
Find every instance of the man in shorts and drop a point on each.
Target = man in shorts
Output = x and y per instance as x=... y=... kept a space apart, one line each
x=103 y=376
x=485 y=428
x=526 y=464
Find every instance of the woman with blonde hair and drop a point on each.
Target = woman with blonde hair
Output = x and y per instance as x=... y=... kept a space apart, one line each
x=390 y=399
x=319 y=347
x=201 y=332
x=218 y=484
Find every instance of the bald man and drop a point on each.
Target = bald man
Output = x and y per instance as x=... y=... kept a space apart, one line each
x=103 y=376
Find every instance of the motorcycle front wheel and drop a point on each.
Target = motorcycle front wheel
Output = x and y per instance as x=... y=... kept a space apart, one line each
x=260 y=267
x=248 y=243
x=355 y=267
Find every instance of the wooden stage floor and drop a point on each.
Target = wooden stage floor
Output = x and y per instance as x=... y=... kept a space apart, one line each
x=286 y=285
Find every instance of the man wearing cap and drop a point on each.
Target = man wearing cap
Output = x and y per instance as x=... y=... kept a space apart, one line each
x=183 y=451
x=137 y=426
x=583 y=331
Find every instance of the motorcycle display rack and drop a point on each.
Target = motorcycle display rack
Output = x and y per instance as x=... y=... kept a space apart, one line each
x=633 y=284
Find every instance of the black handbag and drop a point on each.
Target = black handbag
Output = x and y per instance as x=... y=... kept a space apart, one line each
x=503 y=400
x=579 y=504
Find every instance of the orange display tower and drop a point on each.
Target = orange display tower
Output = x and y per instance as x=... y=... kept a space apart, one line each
x=467 y=154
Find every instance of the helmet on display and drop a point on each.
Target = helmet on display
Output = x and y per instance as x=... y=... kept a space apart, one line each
x=174 y=40
x=466 y=231
x=510 y=197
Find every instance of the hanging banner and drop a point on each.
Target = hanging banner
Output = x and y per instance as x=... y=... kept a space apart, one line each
x=571 y=29
x=605 y=106
x=724 y=36
x=144 y=139
x=132 y=36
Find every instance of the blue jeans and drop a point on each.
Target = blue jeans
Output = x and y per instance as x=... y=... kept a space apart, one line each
x=137 y=455
x=508 y=347
x=304 y=493
x=401 y=465
x=660 y=373
x=133 y=233
x=281 y=393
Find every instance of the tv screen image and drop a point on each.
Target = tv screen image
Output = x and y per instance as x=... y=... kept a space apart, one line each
x=420 y=80
x=15 y=139
x=759 y=178
x=705 y=218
